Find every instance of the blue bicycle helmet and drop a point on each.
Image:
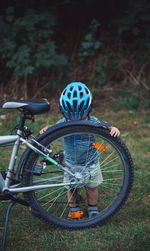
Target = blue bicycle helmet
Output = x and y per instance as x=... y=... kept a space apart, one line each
x=76 y=101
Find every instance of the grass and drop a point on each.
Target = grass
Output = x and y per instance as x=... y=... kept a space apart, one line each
x=128 y=230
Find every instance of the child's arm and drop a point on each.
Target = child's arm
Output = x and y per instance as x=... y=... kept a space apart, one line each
x=114 y=132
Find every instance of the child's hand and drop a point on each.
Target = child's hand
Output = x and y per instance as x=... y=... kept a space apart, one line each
x=43 y=130
x=114 y=132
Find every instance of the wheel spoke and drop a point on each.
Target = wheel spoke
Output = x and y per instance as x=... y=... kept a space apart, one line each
x=46 y=195
x=109 y=161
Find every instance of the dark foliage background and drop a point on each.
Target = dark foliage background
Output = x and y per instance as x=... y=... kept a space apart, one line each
x=47 y=44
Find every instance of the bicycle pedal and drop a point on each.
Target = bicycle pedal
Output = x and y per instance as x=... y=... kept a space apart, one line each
x=75 y=215
x=37 y=170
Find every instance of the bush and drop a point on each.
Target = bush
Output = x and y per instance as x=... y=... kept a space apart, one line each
x=29 y=49
x=90 y=43
x=133 y=29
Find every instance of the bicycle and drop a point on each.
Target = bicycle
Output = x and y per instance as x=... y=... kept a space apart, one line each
x=40 y=172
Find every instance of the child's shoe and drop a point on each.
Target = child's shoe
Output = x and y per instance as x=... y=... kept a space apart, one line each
x=92 y=210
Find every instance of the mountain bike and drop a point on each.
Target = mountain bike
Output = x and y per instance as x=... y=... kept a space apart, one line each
x=40 y=173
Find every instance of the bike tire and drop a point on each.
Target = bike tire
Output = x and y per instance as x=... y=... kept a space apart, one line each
x=117 y=173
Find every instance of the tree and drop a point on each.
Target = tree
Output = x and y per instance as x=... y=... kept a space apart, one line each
x=26 y=43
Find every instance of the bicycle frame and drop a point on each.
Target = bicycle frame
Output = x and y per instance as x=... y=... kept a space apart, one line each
x=5 y=183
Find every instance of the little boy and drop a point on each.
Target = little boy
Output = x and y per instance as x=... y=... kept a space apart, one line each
x=76 y=104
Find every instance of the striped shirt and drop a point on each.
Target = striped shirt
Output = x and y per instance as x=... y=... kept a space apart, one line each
x=79 y=149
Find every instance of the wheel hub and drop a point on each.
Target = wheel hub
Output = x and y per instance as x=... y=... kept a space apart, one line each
x=82 y=176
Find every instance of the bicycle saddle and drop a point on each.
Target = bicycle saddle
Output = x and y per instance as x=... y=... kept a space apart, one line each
x=31 y=106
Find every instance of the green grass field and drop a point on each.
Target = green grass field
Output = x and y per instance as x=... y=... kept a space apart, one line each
x=129 y=229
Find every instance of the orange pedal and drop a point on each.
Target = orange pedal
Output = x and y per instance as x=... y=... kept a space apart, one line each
x=75 y=215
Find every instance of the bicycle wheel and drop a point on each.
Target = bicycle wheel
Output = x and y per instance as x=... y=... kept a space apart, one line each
x=113 y=182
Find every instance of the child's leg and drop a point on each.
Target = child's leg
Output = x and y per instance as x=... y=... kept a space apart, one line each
x=92 y=198
x=71 y=199
x=92 y=195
